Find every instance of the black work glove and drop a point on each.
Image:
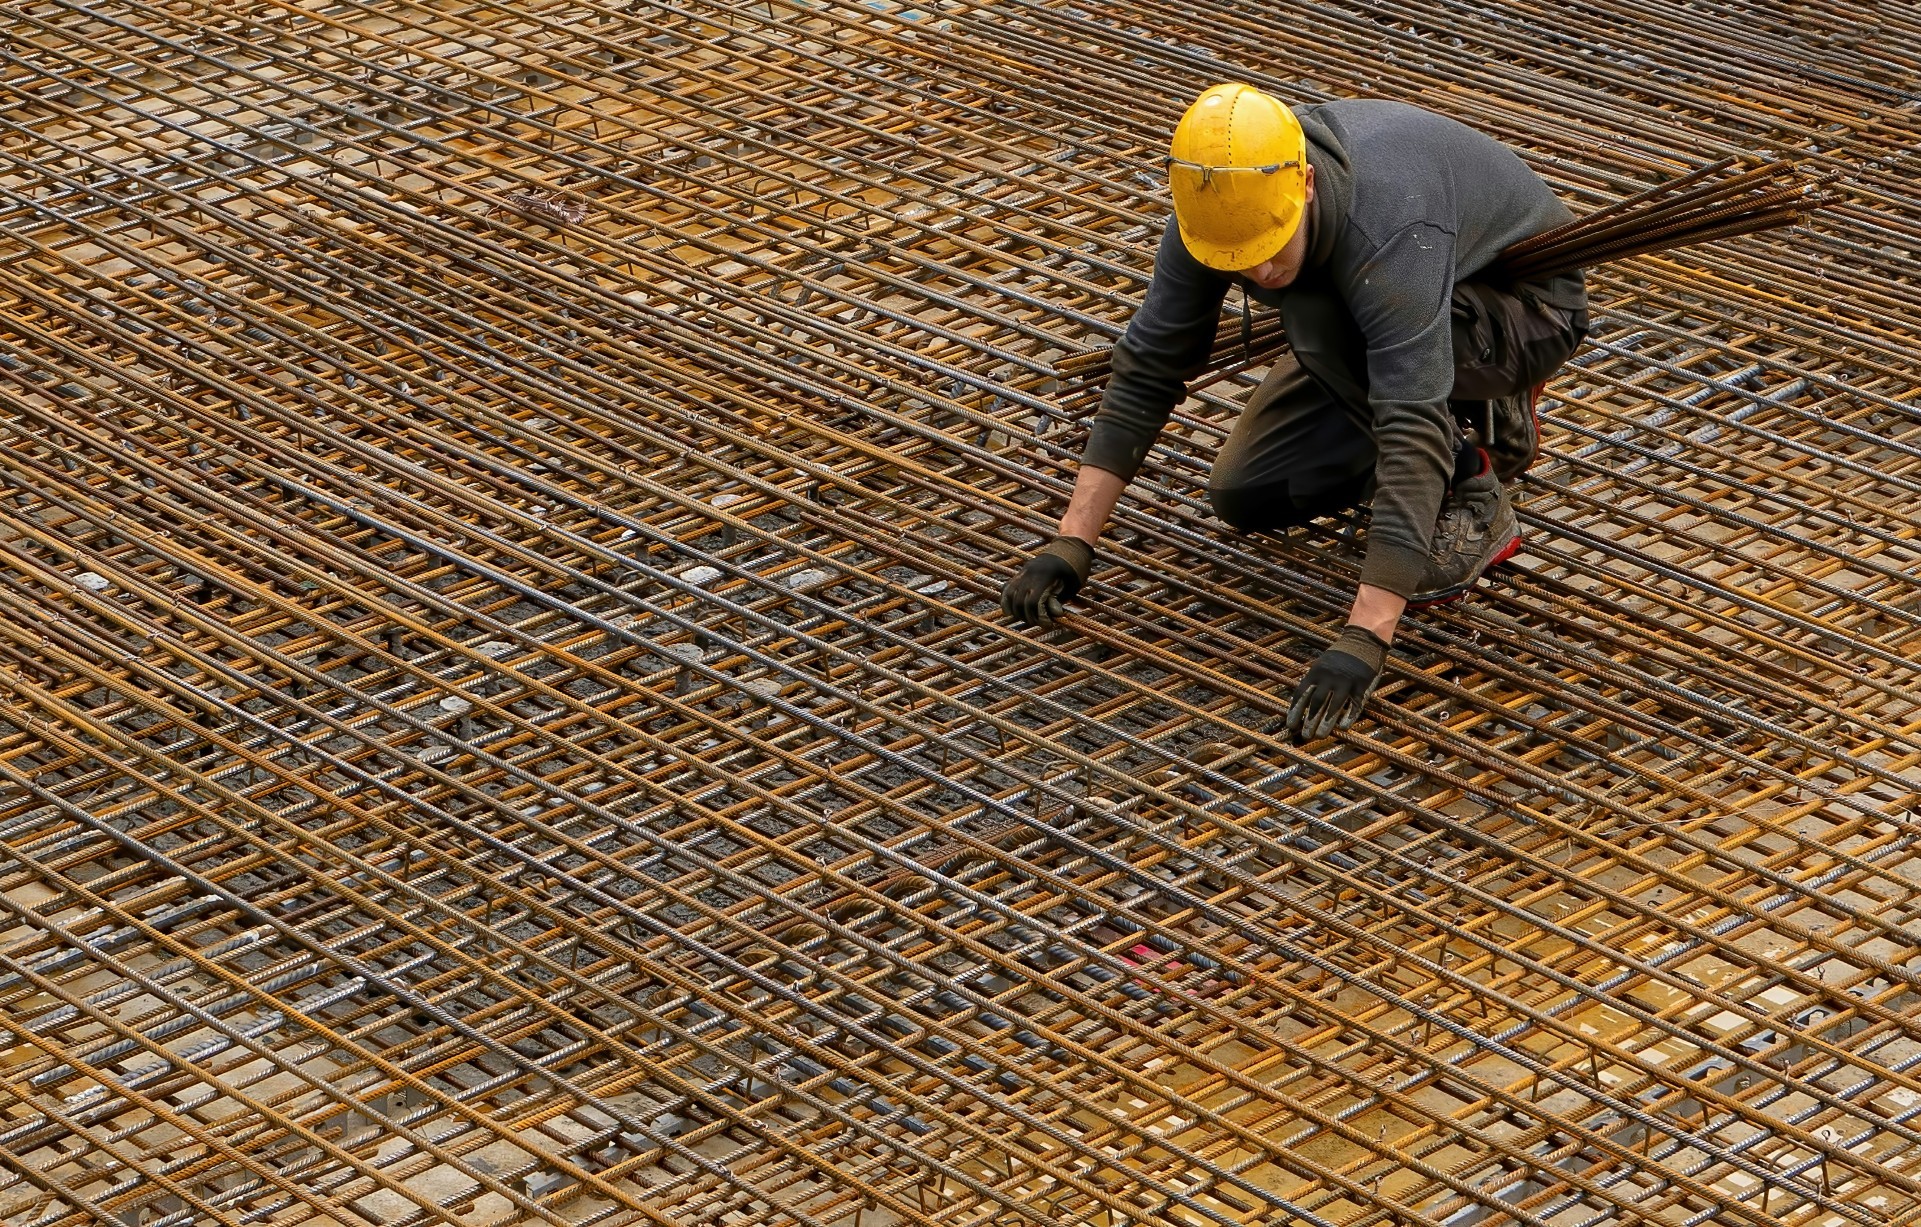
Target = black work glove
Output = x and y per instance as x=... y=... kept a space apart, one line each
x=1331 y=695
x=1054 y=575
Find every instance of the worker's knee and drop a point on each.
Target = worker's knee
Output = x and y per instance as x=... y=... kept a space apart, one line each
x=1254 y=508
x=1258 y=507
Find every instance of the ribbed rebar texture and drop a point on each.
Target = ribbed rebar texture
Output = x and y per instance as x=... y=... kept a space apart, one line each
x=504 y=715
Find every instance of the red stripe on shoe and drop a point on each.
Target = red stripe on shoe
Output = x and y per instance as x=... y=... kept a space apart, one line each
x=1507 y=551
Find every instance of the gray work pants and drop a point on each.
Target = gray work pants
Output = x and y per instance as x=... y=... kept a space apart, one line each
x=1304 y=445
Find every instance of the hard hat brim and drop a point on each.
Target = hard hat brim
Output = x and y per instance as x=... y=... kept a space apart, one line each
x=1241 y=256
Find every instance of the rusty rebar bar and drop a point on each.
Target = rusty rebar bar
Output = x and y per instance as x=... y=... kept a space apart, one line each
x=503 y=715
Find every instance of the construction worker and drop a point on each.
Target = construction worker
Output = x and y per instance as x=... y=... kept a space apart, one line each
x=1409 y=387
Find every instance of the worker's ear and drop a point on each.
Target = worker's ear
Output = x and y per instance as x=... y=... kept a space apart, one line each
x=1308 y=183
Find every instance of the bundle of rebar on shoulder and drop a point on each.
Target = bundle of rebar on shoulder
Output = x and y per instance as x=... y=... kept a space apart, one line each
x=1716 y=201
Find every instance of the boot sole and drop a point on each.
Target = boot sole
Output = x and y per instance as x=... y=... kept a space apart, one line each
x=1449 y=595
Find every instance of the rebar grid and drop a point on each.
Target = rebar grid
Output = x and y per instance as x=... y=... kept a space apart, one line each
x=505 y=717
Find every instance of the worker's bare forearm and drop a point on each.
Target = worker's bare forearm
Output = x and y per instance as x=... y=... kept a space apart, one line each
x=1095 y=493
x=1377 y=610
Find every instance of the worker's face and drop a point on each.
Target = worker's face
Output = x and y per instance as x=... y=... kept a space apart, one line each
x=1279 y=272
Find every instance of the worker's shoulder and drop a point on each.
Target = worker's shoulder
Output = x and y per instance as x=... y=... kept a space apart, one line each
x=1363 y=120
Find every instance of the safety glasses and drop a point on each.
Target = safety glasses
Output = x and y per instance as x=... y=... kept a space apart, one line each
x=1208 y=172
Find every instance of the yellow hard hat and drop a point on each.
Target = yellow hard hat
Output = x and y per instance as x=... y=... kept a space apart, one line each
x=1238 y=168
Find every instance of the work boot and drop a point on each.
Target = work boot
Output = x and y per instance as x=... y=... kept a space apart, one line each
x=1476 y=530
x=1513 y=432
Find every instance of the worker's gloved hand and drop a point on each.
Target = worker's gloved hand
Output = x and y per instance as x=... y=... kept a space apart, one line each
x=1054 y=575
x=1331 y=695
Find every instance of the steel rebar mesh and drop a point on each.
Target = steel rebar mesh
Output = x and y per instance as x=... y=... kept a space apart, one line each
x=503 y=716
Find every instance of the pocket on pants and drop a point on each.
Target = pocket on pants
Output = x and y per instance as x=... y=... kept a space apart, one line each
x=1483 y=367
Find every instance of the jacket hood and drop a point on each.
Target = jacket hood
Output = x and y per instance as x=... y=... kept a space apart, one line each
x=1333 y=183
